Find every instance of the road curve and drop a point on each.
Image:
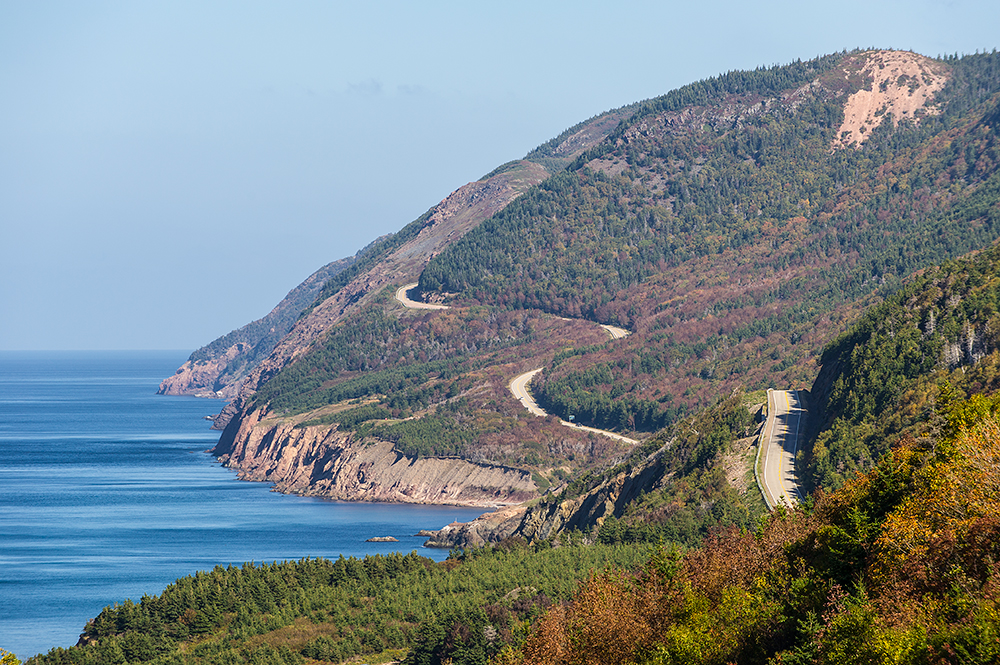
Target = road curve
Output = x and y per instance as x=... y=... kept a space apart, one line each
x=413 y=304
x=519 y=387
x=616 y=333
x=519 y=384
x=779 y=444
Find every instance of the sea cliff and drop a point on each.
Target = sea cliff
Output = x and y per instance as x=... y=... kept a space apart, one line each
x=322 y=461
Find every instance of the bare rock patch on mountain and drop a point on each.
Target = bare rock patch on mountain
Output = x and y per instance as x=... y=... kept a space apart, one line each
x=901 y=85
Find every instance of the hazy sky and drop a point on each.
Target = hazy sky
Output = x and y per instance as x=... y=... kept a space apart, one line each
x=169 y=170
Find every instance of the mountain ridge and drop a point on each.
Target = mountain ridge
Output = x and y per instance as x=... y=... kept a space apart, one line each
x=727 y=224
x=218 y=368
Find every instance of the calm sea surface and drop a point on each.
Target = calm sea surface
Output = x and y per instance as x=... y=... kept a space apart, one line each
x=106 y=493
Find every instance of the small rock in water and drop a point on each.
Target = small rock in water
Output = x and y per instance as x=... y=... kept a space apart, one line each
x=382 y=539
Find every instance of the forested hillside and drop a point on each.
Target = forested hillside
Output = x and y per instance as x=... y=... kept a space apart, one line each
x=468 y=608
x=933 y=342
x=898 y=566
x=734 y=226
x=382 y=366
x=722 y=226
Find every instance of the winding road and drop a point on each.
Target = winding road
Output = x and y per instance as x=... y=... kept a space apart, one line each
x=616 y=333
x=779 y=440
x=779 y=444
x=519 y=387
x=519 y=384
x=413 y=304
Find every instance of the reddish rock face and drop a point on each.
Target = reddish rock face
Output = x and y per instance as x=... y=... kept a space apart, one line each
x=320 y=461
x=201 y=378
x=902 y=87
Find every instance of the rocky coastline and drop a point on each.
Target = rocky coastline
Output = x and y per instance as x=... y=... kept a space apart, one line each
x=324 y=462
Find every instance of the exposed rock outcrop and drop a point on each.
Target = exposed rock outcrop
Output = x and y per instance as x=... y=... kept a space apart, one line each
x=201 y=377
x=549 y=518
x=321 y=461
x=900 y=85
x=893 y=84
x=487 y=528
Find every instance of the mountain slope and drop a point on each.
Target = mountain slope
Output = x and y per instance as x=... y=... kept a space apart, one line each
x=729 y=231
x=897 y=565
x=902 y=372
x=734 y=226
x=218 y=368
x=935 y=341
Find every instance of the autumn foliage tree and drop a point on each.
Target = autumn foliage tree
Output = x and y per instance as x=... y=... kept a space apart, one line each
x=901 y=565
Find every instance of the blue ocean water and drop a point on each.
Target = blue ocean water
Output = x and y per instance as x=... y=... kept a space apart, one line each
x=107 y=493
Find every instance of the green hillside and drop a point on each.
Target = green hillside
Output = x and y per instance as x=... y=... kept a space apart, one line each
x=933 y=342
x=725 y=225
x=728 y=242
x=898 y=566
x=316 y=610
x=717 y=224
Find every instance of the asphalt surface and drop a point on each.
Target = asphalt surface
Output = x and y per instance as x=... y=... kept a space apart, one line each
x=519 y=387
x=616 y=333
x=414 y=304
x=780 y=444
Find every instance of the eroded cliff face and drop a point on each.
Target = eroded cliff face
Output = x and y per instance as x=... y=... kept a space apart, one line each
x=321 y=461
x=547 y=519
x=200 y=377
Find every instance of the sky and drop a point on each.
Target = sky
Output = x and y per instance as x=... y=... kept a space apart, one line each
x=170 y=170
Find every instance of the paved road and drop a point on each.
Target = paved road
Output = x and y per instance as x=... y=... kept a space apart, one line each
x=616 y=333
x=519 y=384
x=519 y=387
x=780 y=444
x=413 y=304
